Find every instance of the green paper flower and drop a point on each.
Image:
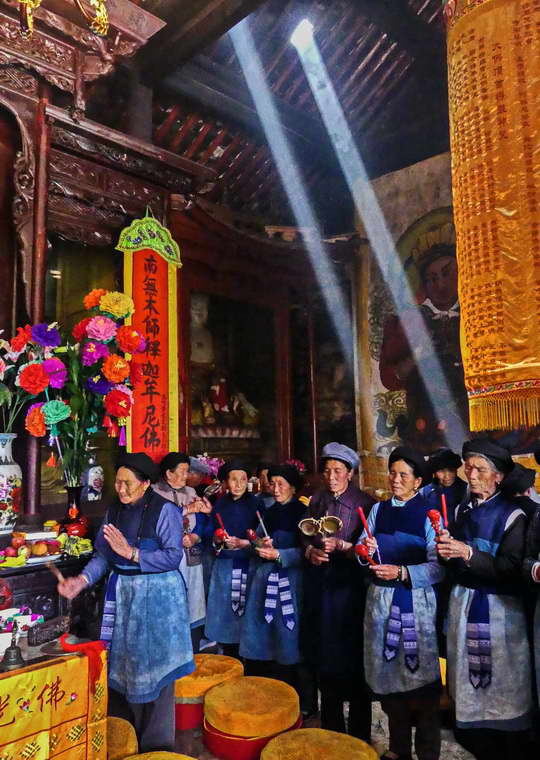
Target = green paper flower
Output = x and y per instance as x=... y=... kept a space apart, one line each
x=54 y=412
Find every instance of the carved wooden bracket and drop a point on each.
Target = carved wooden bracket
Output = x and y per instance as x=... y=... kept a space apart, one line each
x=66 y=53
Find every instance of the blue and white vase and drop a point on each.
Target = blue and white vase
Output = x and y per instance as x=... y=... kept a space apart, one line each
x=10 y=484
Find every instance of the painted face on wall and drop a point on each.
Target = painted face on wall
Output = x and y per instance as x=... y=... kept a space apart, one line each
x=441 y=282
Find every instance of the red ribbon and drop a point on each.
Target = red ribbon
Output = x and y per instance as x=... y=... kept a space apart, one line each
x=92 y=650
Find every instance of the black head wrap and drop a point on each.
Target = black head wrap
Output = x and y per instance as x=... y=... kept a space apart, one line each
x=519 y=480
x=444 y=459
x=413 y=458
x=487 y=447
x=289 y=472
x=140 y=464
x=233 y=464
x=172 y=460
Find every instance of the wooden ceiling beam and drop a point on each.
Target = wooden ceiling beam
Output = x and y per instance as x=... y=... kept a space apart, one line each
x=191 y=28
x=220 y=91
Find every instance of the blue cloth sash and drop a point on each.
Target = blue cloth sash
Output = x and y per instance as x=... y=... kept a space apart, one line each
x=239 y=585
x=479 y=641
x=401 y=627
x=109 y=610
x=278 y=585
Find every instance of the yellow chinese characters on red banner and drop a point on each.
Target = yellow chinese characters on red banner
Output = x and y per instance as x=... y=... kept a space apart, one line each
x=151 y=259
x=47 y=711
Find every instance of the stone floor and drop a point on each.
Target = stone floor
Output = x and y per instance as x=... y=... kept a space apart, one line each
x=190 y=742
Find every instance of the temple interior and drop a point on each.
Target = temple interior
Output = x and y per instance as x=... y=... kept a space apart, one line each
x=269 y=379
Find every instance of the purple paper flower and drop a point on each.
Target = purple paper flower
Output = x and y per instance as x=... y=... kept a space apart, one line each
x=93 y=352
x=98 y=384
x=45 y=336
x=56 y=371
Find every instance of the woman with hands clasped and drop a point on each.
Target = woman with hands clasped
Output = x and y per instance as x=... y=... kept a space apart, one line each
x=269 y=638
x=227 y=595
x=139 y=546
x=401 y=656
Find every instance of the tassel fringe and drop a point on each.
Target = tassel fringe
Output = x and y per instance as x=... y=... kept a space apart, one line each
x=506 y=410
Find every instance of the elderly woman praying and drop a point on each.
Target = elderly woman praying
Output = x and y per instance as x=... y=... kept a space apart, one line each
x=139 y=547
x=488 y=651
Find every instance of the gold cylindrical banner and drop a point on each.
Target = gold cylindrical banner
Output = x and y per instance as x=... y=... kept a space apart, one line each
x=494 y=96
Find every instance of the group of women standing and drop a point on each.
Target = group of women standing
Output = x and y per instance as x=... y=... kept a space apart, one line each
x=355 y=612
x=481 y=557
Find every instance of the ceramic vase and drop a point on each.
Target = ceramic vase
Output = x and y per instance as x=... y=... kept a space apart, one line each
x=10 y=484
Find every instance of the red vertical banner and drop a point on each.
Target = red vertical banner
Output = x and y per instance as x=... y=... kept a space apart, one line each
x=151 y=260
x=150 y=416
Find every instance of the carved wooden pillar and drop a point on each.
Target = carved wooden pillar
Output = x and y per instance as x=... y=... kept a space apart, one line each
x=39 y=264
x=7 y=251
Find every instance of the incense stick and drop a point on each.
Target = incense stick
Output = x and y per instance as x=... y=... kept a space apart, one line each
x=55 y=571
x=263 y=526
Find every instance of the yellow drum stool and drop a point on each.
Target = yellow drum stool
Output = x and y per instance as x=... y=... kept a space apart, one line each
x=160 y=756
x=242 y=715
x=211 y=670
x=121 y=739
x=316 y=744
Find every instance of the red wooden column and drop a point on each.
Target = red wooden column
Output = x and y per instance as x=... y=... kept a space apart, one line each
x=283 y=380
x=39 y=265
x=312 y=390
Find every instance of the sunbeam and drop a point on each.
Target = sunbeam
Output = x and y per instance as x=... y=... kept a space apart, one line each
x=293 y=183
x=368 y=209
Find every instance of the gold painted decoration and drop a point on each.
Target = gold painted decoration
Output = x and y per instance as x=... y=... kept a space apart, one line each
x=97 y=18
x=26 y=18
x=494 y=96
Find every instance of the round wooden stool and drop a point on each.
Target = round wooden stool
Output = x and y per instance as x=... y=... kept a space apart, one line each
x=243 y=714
x=121 y=739
x=211 y=670
x=315 y=744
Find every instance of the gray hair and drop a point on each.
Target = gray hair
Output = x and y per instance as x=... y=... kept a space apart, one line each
x=493 y=466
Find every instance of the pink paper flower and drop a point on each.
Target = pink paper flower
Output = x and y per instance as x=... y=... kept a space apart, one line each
x=57 y=372
x=93 y=352
x=101 y=328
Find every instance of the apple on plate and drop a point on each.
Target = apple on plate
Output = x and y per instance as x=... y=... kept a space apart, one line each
x=18 y=540
x=53 y=547
x=24 y=551
x=39 y=549
x=9 y=551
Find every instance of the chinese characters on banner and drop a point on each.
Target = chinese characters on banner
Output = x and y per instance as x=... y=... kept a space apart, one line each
x=151 y=259
x=47 y=710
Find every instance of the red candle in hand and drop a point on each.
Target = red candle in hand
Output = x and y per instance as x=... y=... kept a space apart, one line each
x=444 y=510
x=434 y=516
x=364 y=522
x=362 y=551
x=220 y=535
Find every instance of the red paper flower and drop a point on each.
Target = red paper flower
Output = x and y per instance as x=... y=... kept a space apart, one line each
x=33 y=379
x=79 y=331
x=92 y=299
x=19 y=341
x=128 y=339
x=117 y=403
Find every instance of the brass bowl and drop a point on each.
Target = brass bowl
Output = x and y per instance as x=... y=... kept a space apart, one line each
x=309 y=526
x=331 y=525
